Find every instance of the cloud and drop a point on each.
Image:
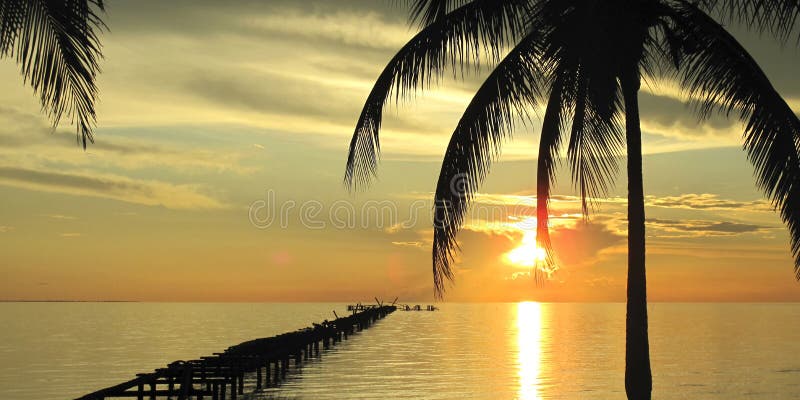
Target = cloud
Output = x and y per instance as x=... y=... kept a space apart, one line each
x=696 y=228
x=26 y=140
x=151 y=193
x=583 y=243
x=6 y=229
x=688 y=201
x=70 y=235
x=59 y=217
x=665 y=111
x=372 y=30
x=410 y=244
x=602 y=281
x=576 y=242
x=706 y=201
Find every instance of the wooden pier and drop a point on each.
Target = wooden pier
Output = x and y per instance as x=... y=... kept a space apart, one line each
x=403 y=307
x=264 y=362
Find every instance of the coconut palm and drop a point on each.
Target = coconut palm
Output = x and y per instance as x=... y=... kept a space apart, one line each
x=585 y=59
x=55 y=43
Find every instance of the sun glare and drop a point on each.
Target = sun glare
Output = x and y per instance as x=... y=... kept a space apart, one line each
x=527 y=254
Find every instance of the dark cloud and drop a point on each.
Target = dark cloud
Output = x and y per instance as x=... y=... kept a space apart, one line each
x=706 y=201
x=272 y=94
x=214 y=17
x=703 y=228
x=673 y=117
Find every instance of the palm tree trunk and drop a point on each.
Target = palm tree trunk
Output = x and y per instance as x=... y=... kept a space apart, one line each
x=638 y=378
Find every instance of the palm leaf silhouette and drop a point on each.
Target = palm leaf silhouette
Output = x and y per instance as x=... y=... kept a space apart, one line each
x=56 y=44
x=587 y=59
x=450 y=41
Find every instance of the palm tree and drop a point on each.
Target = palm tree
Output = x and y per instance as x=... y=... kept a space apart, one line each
x=586 y=59
x=55 y=43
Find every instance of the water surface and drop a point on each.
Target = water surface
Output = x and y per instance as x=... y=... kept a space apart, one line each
x=482 y=351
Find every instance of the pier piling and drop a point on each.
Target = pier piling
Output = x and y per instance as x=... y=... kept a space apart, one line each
x=222 y=375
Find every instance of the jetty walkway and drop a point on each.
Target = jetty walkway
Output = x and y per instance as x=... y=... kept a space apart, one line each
x=222 y=375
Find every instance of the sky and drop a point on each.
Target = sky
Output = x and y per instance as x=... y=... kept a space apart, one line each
x=217 y=176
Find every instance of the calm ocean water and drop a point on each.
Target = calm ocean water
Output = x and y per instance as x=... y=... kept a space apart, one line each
x=483 y=351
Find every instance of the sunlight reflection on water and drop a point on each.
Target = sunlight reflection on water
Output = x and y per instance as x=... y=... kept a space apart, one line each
x=529 y=337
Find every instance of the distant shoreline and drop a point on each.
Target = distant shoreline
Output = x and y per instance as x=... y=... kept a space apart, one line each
x=69 y=301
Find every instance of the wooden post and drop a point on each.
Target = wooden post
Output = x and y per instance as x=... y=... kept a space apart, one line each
x=233 y=382
x=170 y=384
x=140 y=391
x=203 y=375
x=186 y=382
x=153 y=389
x=258 y=377
x=215 y=392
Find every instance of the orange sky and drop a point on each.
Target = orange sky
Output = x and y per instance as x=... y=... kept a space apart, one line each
x=202 y=116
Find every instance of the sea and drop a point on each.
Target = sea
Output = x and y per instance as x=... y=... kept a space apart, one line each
x=56 y=351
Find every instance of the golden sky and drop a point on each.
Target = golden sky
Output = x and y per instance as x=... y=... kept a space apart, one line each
x=216 y=116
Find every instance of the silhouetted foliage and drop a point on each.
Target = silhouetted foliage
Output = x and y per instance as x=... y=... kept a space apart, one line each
x=55 y=43
x=585 y=59
x=581 y=42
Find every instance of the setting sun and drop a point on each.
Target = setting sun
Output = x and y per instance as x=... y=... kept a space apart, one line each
x=494 y=200
x=527 y=254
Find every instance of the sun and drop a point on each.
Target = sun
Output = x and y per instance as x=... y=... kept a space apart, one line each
x=527 y=254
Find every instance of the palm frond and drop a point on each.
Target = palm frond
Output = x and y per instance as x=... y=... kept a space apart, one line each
x=479 y=27
x=510 y=90
x=549 y=147
x=778 y=17
x=589 y=87
x=57 y=47
x=596 y=140
x=426 y=12
x=12 y=13
x=721 y=75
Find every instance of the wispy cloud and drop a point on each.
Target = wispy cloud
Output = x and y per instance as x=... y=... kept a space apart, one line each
x=151 y=193
x=26 y=140
x=698 y=228
x=371 y=31
x=409 y=244
x=59 y=217
x=707 y=201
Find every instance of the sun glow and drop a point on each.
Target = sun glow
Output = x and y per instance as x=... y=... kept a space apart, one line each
x=527 y=254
